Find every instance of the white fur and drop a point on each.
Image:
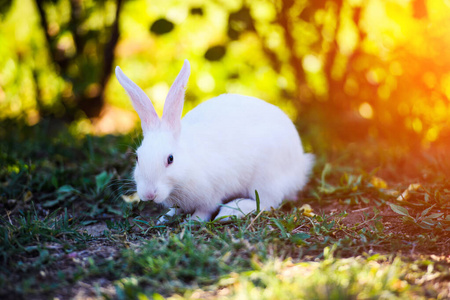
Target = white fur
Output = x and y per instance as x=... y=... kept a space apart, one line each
x=225 y=148
x=238 y=207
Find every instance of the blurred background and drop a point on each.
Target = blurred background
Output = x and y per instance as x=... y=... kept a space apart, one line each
x=343 y=70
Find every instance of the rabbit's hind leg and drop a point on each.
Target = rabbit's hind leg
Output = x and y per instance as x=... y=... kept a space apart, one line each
x=200 y=215
x=238 y=207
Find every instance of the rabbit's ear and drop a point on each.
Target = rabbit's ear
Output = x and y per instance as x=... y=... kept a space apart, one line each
x=173 y=107
x=141 y=102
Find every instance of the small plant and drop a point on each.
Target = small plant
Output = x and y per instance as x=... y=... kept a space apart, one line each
x=432 y=205
x=349 y=188
x=425 y=219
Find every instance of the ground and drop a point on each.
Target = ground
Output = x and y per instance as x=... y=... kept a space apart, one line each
x=379 y=228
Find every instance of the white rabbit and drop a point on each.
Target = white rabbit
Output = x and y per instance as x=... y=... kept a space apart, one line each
x=224 y=149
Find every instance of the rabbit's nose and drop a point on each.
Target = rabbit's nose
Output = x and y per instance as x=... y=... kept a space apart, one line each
x=150 y=196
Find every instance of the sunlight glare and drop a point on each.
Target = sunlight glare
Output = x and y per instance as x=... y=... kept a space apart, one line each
x=158 y=95
x=417 y=125
x=206 y=82
x=432 y=134
x=312 y=63
x=366 y=111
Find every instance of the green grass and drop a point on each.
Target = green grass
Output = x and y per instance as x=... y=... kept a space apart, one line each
x=373 y=277
x=30 y=233
x=59 y=186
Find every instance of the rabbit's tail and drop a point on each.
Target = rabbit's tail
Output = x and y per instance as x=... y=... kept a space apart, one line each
x=301 y=176
x=308 y=163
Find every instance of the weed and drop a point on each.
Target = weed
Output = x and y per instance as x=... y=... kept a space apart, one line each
x=430 y=204
x=30 y=233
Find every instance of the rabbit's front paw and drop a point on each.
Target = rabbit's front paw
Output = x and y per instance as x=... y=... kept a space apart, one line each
x=165 y=218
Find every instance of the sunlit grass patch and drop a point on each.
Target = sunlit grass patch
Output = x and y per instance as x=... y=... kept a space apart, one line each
x=373 y=277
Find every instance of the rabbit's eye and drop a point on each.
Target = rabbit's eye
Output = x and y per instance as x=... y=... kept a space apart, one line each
x=170 y=159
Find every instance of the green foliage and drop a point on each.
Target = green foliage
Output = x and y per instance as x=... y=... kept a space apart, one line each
x=431 y=204
x=215 y=53
x=184 y=258
x=88 y=173
x=5 y=5
x=349 y=188
x=355 y=68
x=169 y=263
x=29 y=233
x=58 y=64
x=161 y=26
x=425 y=219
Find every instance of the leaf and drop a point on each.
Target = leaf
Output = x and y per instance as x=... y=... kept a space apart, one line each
x=88 y=222
x=66 y=190
x=408 y=219
x=5 y=6
x=157 y=296
x=407 y=193
x=281 y=227
x=424 y=226
x=162 y=26
x=428 y=221
x=51 y=203
x=307 y=211
x=427 y=210
x=141 y=205
x=64 y=193
x=133 y=198
x=327 y=190
x=102 y=180
x=392 y=193
x=378 y=182
x=363 y=238
x=379 y=226
x=299 y=238
x=240 y=21
x=400 y=210
x=326 y=170
x=215 y=53
x=258 y=202
x=374 y=257
x=141 y=221
x=302 y=235
x=114 y=211
x=365 y=200
x=197 y=11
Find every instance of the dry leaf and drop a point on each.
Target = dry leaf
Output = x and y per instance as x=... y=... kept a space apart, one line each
x=27 y=197
x=393 y=193
x=407 y=193
x=307 y=210
x=133 y=198
x=378 y=182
